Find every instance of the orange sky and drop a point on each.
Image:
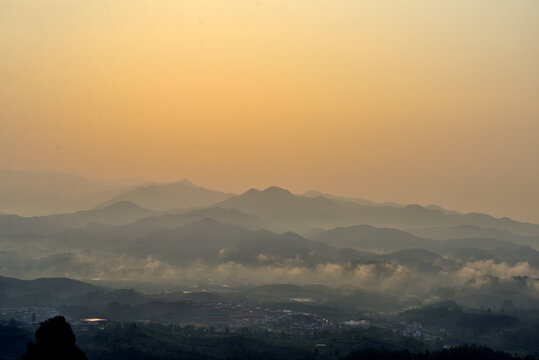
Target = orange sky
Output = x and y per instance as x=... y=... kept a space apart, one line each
x=408 y=101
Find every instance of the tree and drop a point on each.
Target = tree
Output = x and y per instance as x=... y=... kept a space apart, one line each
x=54 y=340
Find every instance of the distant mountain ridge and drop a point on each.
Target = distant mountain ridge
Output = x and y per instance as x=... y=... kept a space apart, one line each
x=60 y=287
x=182 y=194
x=472 y=231
x=120 y=213
x=370 y=238
x=229 y=216
x=303 y=213
x=279 y=210
x=34 y=193
x=360 y=201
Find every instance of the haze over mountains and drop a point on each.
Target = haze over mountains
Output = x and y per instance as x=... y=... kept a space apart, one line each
x=182 y=194
x=183 y=231
x=31 y=193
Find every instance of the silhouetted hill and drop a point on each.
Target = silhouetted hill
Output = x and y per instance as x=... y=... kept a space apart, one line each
x=116 y=214
x=119 y=213
x=216 y=242
x=213 y=241
x=445 y=211
x=481 y=250
x=57 y=287
x=272 y=248
x=360 y=201
x=229 y=216
x=275 y=201
x=370 y=238
x=478 y=243
x=301 y=213
x=200 y=239
x=471 y=231
x=54 y=340
x=179 y=195
x=14 y=225
x=292 y=212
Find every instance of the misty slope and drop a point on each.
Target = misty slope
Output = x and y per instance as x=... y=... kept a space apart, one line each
x=420 y=260
x=302 y=213
x=119 y=213
x=115 y=214
x=200 y=239
x=293 y=212
x=360 y=201
x=492 y=291
x=229 y=216
x=471 y=231
x=179 y=195
x=127 y=241
x=89 y=236
x=466 y=250
x=220 y=243
x=270 y=248
x=477 y=243
x=14 y=225
x=41 y=193
x=370 y=238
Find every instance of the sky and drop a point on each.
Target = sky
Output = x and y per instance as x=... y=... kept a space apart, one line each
x=407 y=101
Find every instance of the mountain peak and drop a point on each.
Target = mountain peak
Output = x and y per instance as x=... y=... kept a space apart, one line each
x=277 y=190
x=185 y=182
x=124 y=204
x=272 y=190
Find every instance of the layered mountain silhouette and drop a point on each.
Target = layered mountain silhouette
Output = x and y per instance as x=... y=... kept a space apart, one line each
x=370 y=238
x=293 y=212
x=182 y=194
x=116 y=214
x=302 y=213
x=268 y=228
x=360 y=201
x=32 y=193
x=215 y=242
x=229 y=216
x=122 y=212
x=202 y=239
x=472 y=231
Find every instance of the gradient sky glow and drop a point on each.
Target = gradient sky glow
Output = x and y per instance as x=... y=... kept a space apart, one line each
x=407 y=101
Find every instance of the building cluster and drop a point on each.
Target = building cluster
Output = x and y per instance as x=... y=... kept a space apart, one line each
x=239 y=316
x=413 y=329
x=27 y=316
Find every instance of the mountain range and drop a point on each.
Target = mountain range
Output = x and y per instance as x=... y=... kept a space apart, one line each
x=182 y=230
x=31 y=193
x=182 y=194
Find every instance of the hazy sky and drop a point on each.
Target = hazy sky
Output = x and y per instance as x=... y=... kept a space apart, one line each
x=409 y=101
